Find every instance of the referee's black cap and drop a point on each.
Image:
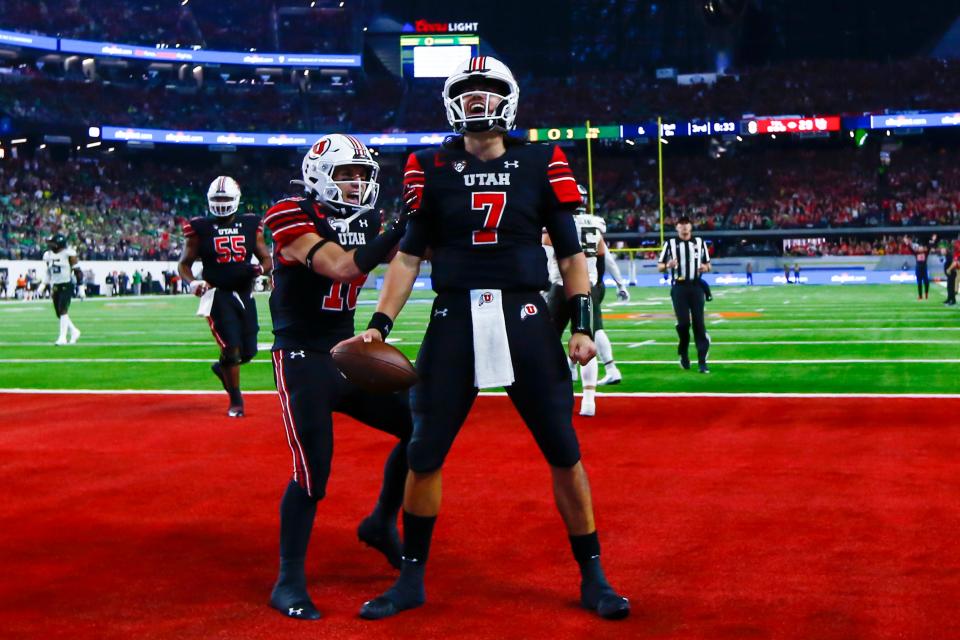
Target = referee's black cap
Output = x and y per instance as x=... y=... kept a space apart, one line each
x=684 y=219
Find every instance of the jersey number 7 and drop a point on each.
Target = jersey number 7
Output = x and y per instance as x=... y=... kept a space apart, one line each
x=493 y=202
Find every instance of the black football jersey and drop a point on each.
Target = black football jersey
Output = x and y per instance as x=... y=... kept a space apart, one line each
x=226 y=249
x=311 y=311
x=483 y=220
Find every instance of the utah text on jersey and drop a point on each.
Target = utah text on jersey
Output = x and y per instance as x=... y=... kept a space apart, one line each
x=487 y=179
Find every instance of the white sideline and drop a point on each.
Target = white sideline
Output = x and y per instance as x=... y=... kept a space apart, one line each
x=831 y=361
x=639 y=394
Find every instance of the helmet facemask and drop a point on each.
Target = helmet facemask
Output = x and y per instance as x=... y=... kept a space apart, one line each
x=473 y=109
x=349 y=196
x=334 y=193
x=223 y=197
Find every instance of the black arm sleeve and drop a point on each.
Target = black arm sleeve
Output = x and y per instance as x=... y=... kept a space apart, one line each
x=601 y=269
x=563 y=234
x=370 y=255
x=416 y=241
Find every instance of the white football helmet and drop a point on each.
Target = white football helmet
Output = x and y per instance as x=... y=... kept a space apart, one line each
x=584 y=199
x=321 y=162
x=499 y=118
x=223 y=197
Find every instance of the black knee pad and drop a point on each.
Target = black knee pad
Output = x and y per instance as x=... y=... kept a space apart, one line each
x=230 y=357
x=422 y=457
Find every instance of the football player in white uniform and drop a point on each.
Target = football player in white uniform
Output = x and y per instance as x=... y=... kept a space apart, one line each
x=590 y=229
x=62 y=268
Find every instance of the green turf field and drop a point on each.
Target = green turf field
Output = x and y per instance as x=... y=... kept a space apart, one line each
x=788 y=339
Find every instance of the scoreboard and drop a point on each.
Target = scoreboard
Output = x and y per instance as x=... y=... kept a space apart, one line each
x=435 y=56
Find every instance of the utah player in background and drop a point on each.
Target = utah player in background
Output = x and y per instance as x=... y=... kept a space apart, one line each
x=225 y=243
x=326 y=242
x=590 y=229
x=62 y=271
x=478 y=205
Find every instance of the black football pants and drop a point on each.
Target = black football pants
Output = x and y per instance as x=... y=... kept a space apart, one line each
x=542 y=391
x=311 y=388
x=688 y=302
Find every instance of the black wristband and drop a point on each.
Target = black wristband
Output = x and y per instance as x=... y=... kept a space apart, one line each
x=382 y=323
x=313 y=250
x=368 y=256
x=581 y=315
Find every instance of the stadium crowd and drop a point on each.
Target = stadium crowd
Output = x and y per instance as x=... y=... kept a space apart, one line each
x=250 y=24
x=381 y=103
x=116 y=207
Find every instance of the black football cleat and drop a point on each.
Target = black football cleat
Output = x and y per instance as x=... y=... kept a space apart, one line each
x=385 y=539
x=605 y=602
x=235 y=411
x=383 y=607
x=684 y=361
x=703 y=368
x=293 y=602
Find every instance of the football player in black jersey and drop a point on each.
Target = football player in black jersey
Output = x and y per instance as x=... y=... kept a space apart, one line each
x=325 y=243
x=225 y=243
x=478 y=205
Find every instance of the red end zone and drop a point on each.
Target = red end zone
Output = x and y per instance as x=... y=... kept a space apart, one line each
x=155 y=516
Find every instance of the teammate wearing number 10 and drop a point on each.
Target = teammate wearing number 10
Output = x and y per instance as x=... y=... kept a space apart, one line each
x=326 y=241
x=477 y=206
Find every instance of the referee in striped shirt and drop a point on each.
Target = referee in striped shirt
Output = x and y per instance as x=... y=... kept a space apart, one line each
x=687 y=259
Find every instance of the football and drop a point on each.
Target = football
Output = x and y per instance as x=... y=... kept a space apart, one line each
x=375 y=366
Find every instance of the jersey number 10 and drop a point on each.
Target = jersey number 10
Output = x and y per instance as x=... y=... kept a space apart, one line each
x=333 y=301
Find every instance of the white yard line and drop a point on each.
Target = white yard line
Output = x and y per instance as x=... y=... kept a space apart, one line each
x=794 y=362
x=631 y=345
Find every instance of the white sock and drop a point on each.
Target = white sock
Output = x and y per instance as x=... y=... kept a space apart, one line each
x=64 y=325
x=604 y=349
x=588 y=373
x=70 y=325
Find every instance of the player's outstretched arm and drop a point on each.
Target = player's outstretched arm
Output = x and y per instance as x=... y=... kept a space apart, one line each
x=397 y=285
x=330 y=260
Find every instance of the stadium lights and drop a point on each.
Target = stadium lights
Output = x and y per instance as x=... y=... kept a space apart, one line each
x=91 y=145
x=773 y=137
x=43 y=146
x=364 y=28
x=313 y=4
x=739 y=139
x=664 y=141
x=630 y=142
x=93 y=132
x=18 y=141
x=111 y=149
x=341 y=4
x=183 y=2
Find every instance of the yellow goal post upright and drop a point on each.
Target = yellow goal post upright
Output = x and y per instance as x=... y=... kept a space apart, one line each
x=630 y=253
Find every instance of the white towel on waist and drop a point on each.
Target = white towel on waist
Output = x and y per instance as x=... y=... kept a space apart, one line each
x=491 y=348
x=206 y=303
